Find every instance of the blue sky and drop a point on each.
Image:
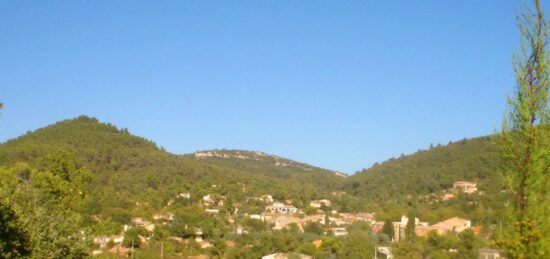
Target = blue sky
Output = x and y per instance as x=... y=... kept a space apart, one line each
x=338 y=84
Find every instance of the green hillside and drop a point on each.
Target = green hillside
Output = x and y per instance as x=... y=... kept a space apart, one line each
x=271 y=166
x=418 y=182
x=132 y=177
x=130 y=170
x=429 y=171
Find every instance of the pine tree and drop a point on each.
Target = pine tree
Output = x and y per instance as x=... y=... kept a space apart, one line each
x=525 y=143
x=388 y=229
x=410 y=228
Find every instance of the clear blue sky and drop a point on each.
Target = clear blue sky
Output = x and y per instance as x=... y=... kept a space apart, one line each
x=338 y=84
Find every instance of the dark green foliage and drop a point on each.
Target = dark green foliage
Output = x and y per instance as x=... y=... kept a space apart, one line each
x=46 y=203
x=357 y=245
x=468 y=245
x=14 y=241
x=314 y=227
x=464 y=245
x=410 y=227
x=129 y=169
x=388 y=229
x=132 y=236
x=426 y=172
x=133 y=178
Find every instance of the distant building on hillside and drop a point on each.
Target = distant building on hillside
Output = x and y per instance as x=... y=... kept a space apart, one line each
x=267 y=198
x=284 y=221
x=320 y=203
x=488 y=253
x=164 y=216
x=143 y=223
x=184 y=195
x=279 y=207
x=102 y=241
x=287 y=256
x=212 y=211
x=454 y=224
x=465 y=186
x=339 y=231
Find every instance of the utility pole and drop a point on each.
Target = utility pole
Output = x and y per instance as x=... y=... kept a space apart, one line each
x=161 y=249
x=132 y=249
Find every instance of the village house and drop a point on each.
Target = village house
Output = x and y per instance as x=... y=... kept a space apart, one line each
x=202 y=243
x=376 y=227
x=143 y=223
x=266 y=198
x=149 y=226
x=339 y=231
x=117 y=239
x=212 y=211
x=102 y=241
x=314 y=218
x=137 y=221
x=338 y=194
x=455 y=224
x=279 y=207
x=447 y=196
x=465 y=186
x=284 y=221
x=212 y=200
x=333 y=220
x=350 y=218
x=320 y=203
x=118 y=249
x=258 y=217
x=184 y=195
x=286 y=256
x=164 y=216
x=240 y=230
x=208 y=200
x=363 y=216
x=488 y=253
x=398 y=227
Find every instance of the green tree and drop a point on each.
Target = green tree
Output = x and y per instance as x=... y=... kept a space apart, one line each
x=47 y=206
x=313 y=227
x=413 y=249
x=357 y=245
x=388 y=229
x=525 y=143
x=132 y=236
x=14 y=241
x=467 y=246
x=410 y=227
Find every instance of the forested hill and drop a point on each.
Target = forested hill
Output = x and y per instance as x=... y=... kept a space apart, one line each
x=129 y=169
x=430 y=171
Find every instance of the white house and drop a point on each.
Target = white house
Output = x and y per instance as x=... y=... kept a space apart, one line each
x=320 y=203
x=184 y=195
x=279 y=207
x=465 y=186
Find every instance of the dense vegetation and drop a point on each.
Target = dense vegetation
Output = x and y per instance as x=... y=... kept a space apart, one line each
x=132 y=177
x=429 y=171
x=129 y=169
